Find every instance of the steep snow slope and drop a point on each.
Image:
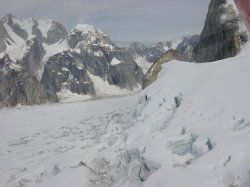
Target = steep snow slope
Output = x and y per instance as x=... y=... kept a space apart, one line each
x=189 y=128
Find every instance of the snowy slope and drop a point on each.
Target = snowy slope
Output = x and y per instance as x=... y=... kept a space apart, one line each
x=189 y=128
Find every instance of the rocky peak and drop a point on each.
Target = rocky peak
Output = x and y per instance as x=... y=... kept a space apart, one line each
x=8 y=18
x=19 y=87
x=86 y=36
x=12 y=22
x=5 y=38
x=138 y=48
x=33 y=54
x=222 y=35
x=56 y=33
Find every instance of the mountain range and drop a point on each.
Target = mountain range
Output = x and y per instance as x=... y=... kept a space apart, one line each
x=82 y=61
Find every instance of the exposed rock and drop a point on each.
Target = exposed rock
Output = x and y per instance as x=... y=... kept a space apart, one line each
x=151 y=54
x=97 y=54
x=37 y=32
x=19 y=87
x=64 y=71
x=34 y=53
x=186 y=47
x=9 y=19
x=5 y=39
x=221 y=36
x=152 y=73
x=56 y=33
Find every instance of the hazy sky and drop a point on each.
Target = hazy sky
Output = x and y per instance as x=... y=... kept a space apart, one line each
x=123 y=20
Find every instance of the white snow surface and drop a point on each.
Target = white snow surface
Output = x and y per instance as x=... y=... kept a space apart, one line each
x=44 y=26
x=115 y=61
x=143 y=63
x=25 y=24
x=189 y=128
x=104 y=89
x=85 y=28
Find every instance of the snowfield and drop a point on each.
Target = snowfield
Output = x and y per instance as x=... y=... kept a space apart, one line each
x=190 y=128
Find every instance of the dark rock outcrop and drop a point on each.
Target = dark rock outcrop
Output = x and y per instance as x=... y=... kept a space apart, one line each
x=97 y=52
x=56 y=33
x=151 y=54
x=5 y=39
x=64 y=71
x=152 y=73
x=34 y=53
x=186 y=46
x=19 y=87
x=221 y=36
x=9 y=19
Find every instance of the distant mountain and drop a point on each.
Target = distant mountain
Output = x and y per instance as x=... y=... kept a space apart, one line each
x=145 y=56
x=83 y=61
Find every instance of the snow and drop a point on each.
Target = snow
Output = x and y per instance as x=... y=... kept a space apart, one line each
x=98 y=53
x=189 y=128
x=85 y=28
x=175 y=43
x=25 y=24
x=104 y=89
x=13 y=50
x=115 y=61
x=2 y=55
x=66 y=96
x=106 y=45
x=143 y=63
x=44 y=26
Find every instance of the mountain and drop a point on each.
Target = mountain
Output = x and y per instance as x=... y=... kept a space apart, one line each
x=19 y=87
x=145 y=56
x=190 y=128
x=223 y=34
x=83 y=60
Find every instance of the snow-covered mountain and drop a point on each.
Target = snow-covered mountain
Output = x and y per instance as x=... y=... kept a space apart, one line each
x=82 y=61
x=189 y=128
x=145 y=56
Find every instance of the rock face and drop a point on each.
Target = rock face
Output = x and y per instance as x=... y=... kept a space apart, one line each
x=145 y=56
x=56 y=33
x=5 y=39
x=19 y=87
x=152 y=73
x=56 y=60
x=64 y=71
x=33 y=55
x=222 y=35
x=9 y=20
x=101 y=57
x=184 y=45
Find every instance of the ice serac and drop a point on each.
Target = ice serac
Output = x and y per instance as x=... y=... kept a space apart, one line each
x=223 y=33
x=19 y=87
x=152 y=73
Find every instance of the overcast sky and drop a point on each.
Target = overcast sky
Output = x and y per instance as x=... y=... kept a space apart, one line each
x=123 y=20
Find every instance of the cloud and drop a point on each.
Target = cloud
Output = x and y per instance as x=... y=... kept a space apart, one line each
x=122 y=19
